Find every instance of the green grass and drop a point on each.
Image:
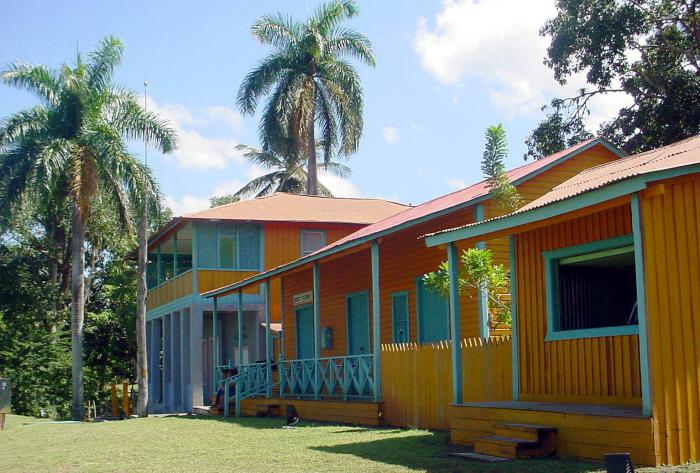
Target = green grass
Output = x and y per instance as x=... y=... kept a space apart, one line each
x=173 y=444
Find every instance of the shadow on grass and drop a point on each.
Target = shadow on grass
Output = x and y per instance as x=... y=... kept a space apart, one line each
x=428 y=452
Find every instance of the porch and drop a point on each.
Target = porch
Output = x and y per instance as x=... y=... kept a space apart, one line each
x=584 y=431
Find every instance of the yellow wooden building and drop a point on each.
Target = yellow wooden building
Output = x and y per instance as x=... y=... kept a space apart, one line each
x=205 y=250
x=605 y=294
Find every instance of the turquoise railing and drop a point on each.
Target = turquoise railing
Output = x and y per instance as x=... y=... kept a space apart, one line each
x=346 y=377
x=250 y=381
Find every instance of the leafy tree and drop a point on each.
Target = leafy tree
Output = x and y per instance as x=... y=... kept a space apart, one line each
x=309 y=83
x=477 y=272
x=217 y=200
x=494 y=169
x=287 y=173
x=648 y=50
x=73 y=144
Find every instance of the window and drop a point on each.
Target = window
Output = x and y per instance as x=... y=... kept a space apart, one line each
x=399 y=317
x=433 y=315
x=228 y=252
x=312 y=240
x=592 y=290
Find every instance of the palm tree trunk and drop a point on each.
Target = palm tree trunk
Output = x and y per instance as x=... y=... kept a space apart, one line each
x=141 y=351
x=312 y=180
x=77 y=310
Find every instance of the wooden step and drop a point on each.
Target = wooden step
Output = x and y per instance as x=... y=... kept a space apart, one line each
x=201 y=410
x=529 y=432
x=480 y=457
x=506 y=447
x=268 y=410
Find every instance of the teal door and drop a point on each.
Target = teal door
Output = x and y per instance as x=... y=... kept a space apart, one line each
x=305 y=333
x=433 y=315
x=399 y=317
x=358 y=324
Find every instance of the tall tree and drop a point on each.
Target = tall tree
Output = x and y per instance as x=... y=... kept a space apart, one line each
x=287 y=173
x=494 y=169
x=648 y=50
x=309 y=83
x=75 y=142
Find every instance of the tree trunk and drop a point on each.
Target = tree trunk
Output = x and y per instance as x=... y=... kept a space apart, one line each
x=312 y=180
x=77 y=310
x=141 y=350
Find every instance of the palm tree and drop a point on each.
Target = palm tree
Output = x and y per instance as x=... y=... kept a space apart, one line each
x=287 y=173
x=309 y=83
x=75 y=141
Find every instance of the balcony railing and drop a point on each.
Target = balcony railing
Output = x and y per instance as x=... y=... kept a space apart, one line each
x=170 y=290
x=345 y=377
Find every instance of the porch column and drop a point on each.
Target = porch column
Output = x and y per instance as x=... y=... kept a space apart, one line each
x=268 y=342
x=186 y=390
x=376 y=325
x=455 y=323
x=317 y=332
x=149 y=360
x=196 y=365
x=167 y=364
x=514 y=319
x=482 y=297
x=176 y=373
x=280 y=363
x=159 y=271
x=240 y=351
x=641 y=305
x=155 y=374
x=215 y=342
x=174 y=254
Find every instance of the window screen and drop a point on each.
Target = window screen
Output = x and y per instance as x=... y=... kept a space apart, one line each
x=399 y=314
x=595 y=290
x=228 y=252
x=312 y=241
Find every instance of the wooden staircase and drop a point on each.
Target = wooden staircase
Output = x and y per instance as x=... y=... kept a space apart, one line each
x=514 y=441
x=518 y=441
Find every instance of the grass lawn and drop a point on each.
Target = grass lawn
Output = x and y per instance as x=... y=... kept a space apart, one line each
x=172 y=444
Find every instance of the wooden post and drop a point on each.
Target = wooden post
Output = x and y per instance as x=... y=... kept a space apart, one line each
x=215 y=343
x=240 y=352
x=317 y=331
x=280 y=366
x=482 y=297
x=376 y=333
x=126 y=406
x=268 y=342
x=514 y=318
x=455 y=325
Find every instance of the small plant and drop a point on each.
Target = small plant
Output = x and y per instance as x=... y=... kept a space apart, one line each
x=478 y=272
x=504 y=194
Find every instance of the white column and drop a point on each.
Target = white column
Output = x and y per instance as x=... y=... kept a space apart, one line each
x=186 y=393
x=176 y=375
x=196 y=367
x=167 y=364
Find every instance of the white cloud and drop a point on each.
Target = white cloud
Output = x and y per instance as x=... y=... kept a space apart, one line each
x=391 y=134
x=456 y=183
x=497 y=42
x=225 y=114
x=338 y=186
x=195 y=149
x=186 y=204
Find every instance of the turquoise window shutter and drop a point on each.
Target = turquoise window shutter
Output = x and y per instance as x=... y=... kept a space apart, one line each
x=399 y=313
x=433 y=315
x=228 y=252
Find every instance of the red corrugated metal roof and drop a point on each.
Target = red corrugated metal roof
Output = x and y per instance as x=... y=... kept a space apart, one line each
x=675 y=155
x=460 y=197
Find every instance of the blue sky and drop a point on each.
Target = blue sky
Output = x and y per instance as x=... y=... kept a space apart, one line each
x=445 y=71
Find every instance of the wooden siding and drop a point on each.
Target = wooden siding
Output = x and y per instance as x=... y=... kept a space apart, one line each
x=209 y=279
x=170 y=290
x=579 y=435
x=346 y=412
x=602 y=370
x=283 y=244
x=417 y=379
x=670 y=217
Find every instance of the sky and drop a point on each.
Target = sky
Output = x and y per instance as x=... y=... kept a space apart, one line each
x=445 y=71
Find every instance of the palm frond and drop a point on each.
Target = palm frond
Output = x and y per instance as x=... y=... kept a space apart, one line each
x=336 y=169
x=34 y=121
x=38 y=80
x=257 y=184
x=325 y=116
x=329 y=14
x=278 y=30
x=102 y=61
x=348 y=42
x=260 y=80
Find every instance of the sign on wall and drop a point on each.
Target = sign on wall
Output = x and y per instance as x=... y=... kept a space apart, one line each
x=303 y=298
